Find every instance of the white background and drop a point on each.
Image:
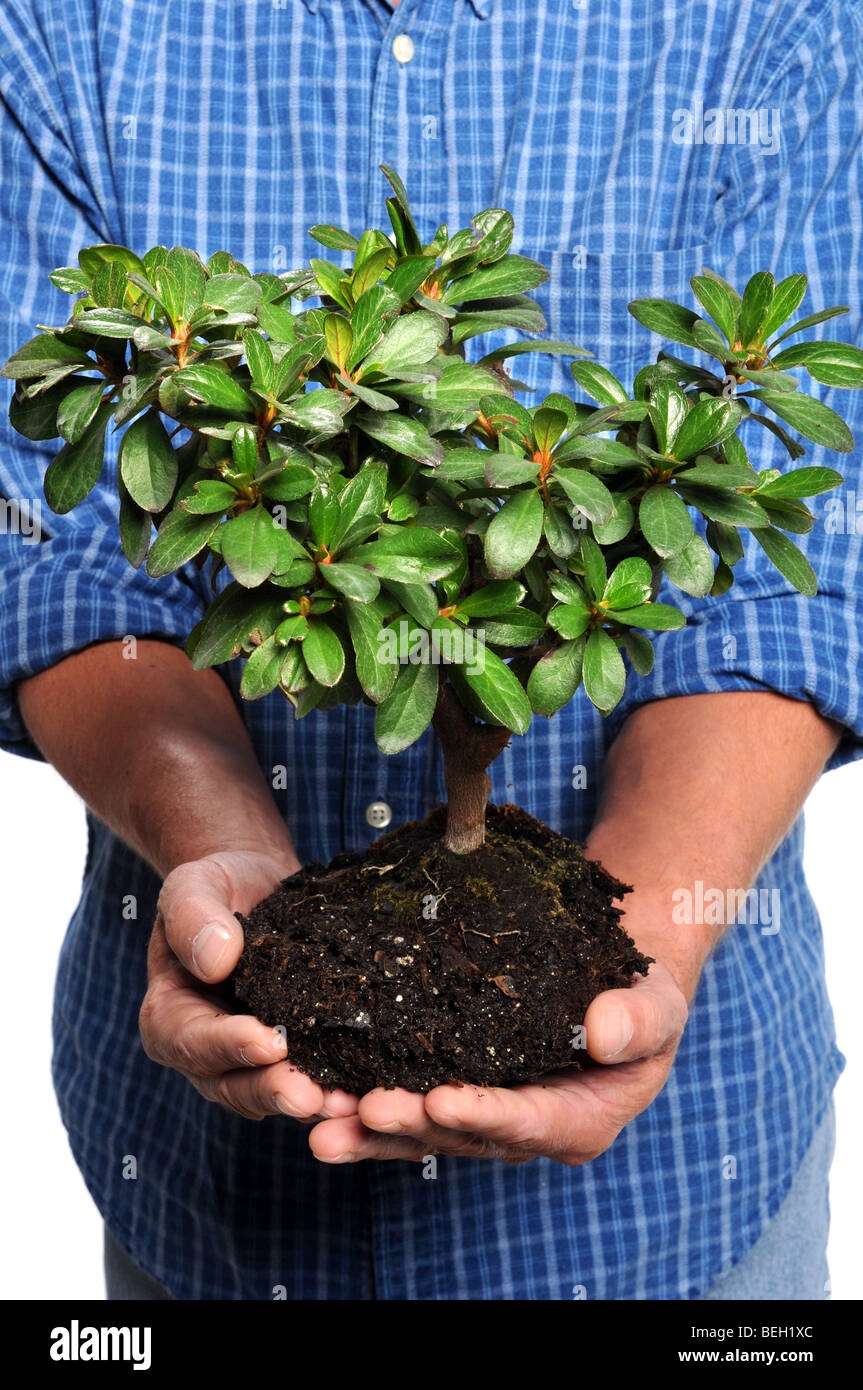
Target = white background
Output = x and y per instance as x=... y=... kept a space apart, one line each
x=51 y=1230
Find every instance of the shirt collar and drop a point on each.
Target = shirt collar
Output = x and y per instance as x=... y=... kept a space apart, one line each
x=482 y=7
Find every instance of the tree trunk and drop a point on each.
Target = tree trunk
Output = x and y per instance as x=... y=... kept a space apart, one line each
x=468 y=749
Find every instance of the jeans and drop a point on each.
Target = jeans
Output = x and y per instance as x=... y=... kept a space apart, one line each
x=788 y=1261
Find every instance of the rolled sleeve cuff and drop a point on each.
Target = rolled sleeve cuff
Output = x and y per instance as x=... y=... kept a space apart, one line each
x=62 y=595
x=803 y=648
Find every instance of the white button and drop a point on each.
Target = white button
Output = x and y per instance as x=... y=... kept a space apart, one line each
x=403 y=48
x=379 y=814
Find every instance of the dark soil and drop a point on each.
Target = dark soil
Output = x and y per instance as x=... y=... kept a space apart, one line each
x=412 y=966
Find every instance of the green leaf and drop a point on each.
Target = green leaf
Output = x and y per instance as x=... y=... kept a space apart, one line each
x=323 y=653
x=235 y=293
x=369 y=318
x=555 y=678
x=262 y=671
x=667 y=319
x=725 y=475
x=136 y=527
x=620 y=525
x=74 y=471
x=369 y=271
x=810 y=321
x=321 y=412
x=109 y=286
x=334 y=237
x=35 y=417
x=491 y=600
x=570 y=619
x=402 y=435
x=520 y=628
x=587 y=493
x=407 y=344
x=786 y=298
x=802 y=482
x=639 y=649
x=228 y=625
x=667 y=408
x=544 y=345
x=654 y=616
x=207 y=382
x=412 y=240
x=92 y=258
x=731 y=507
x=365 y=623
x=460 y=387
x=701 y=427
x=209 y=498
x=509 y=275
x=353 y=581
x=250 y=546
x=514 y=534
x=604 y=672
x=508 y=470
x=77 y=410
x=339 y=336
x=364 y=495
x=691 y=569
x=500 y=691
x=719 y=304
x=524 y=315
x=788 y=559
x=179 y=539
x=259 y=356
x=664 y=520
x=811 y=418
x=757 y=301
x=406 y=712
x=44 y=354
x=419 y=600
x=599 y=383
x=629 y=584
x=148 y=463
x=834 y=364
x=595 y=572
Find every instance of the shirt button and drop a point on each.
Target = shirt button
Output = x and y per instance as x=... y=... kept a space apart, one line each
x=379 y=814
x=403 y=48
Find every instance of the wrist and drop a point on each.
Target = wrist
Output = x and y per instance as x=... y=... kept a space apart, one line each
x=649 y=914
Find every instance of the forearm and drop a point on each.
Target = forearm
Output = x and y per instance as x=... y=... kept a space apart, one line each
x=158 y=751
x=702 y=787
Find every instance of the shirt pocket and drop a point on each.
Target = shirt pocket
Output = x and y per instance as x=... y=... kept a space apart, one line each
x=585 y=302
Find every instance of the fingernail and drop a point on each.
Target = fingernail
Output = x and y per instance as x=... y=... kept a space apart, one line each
x=208 y=947
x=288 y=1109
x=615 y=1032
x=342 y=1158
x=392 y=1128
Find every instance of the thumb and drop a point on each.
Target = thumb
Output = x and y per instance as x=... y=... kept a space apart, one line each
x=202 y=931
x=625 y=1024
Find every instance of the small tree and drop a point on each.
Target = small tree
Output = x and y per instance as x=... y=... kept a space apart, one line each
x=398 y=528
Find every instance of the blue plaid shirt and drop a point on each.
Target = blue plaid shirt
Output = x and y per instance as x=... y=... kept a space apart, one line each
x=238 y=124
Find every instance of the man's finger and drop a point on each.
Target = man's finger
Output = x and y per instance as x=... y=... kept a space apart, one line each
x=182 y=1028
x=625 y=1024
x=202 y=931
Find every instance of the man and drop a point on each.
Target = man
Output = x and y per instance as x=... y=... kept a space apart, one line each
x=693 y=1163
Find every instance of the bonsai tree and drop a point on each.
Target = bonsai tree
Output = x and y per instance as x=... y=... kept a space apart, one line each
x=393 y=526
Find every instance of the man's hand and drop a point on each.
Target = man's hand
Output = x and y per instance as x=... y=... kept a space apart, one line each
x=572 y=1117
x=229 y=1058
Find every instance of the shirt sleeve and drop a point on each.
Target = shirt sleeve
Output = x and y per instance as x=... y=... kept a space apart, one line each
x=64 y=581
x=793 y=207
